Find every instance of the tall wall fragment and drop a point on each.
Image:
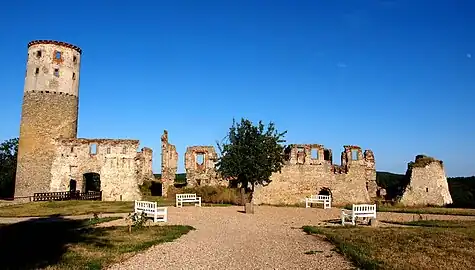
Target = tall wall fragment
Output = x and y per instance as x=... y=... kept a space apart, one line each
x=169 y=163
x=200 y=166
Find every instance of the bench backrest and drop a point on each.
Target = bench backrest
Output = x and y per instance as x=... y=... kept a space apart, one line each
x=364 y=208
x=186 y=196
x=320 y=197
x=145 y=206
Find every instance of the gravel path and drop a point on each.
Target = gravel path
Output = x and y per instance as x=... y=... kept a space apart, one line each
x=227 y=239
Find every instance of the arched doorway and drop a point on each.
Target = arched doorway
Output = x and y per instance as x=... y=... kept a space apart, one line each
x=92 y=182
x=325 y=191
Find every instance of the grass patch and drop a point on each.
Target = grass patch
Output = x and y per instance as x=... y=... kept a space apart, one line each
x=429 y=244
x=428 y=210
x=58 y=243
x=65 y=208
x=113 y=244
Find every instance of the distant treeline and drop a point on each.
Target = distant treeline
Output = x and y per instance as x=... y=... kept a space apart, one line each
x=462 y=189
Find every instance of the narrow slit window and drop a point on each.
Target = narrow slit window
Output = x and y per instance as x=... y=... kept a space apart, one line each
x=75 y=58
x=124 y=150
x=56 y=72
x=108 y=150
x=74 y=76
x=37 y=70
x=38 y=54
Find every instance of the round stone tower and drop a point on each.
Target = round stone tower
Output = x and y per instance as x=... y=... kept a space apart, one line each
x=49 y=111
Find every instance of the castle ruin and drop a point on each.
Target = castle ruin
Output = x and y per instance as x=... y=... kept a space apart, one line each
x=427 y=183
x=50 y=156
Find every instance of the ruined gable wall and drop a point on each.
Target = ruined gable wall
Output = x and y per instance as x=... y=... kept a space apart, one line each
x=205 y=173
x=297 y=180
x=169 y=163
x=114 y=161
x=427 y=186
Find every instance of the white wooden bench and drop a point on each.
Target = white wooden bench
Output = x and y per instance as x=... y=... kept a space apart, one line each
x=151 y=209
x=358 y=210
x=326 y=200
x=187 y=198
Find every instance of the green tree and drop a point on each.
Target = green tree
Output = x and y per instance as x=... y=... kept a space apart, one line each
x=8 y=159
x=250 y=154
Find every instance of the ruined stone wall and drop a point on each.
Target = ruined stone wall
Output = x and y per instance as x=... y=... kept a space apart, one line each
x=427 y=185
x=169 y=163
x=49 y=110
x=114 y=160
x=144 y=165
x=200 y=166
x=306 y=174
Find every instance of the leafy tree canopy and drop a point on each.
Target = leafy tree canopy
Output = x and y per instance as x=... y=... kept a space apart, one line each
x=8 y=159
x=251 y=153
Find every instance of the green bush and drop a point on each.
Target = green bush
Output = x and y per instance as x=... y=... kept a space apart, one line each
x=210 y=194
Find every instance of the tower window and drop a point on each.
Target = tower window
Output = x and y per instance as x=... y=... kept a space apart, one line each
x=74 y=58
x=74 y=76
x=124 y=150
x=56 y=72
x=57 y=55
x=108 y=150
x=37 y=70
x=38 y=54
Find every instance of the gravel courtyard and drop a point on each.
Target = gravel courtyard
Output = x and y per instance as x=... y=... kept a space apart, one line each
x=225 y=238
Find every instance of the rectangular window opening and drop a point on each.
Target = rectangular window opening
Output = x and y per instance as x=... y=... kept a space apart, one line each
x=74 y=58
x=108 y=150
x=124 y=150
x=56 y=72
x=93 y=149
x=200 y=158
x=314 y=153
x=354 y=154
x=38 y=54
x=74 y=76
x=37 y=70
x=57 y=55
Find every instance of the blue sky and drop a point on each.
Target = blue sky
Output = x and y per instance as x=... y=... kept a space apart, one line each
x=397 y=77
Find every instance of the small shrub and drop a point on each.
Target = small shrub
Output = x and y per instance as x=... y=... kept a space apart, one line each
x=210 y=194
x=136 y=220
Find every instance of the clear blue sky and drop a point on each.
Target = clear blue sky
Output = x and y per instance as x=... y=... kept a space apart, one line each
x=397 y=77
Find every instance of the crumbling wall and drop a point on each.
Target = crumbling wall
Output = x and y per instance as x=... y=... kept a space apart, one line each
x=200 y=166
x=169 y=163
x=306 y=173
x=115 y=161
x=427 y=183
x=143 y=161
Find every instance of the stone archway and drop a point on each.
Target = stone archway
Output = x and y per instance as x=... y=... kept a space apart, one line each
x=325 y=191
x=92 y=182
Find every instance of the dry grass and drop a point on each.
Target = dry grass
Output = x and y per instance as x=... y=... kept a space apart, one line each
x=114 y=244
x=427 y=210
x=429 y=244
x=64 y=208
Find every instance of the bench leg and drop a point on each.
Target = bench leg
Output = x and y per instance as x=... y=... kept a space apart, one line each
x=155 y=217
x=353 y=219
x=199 y=202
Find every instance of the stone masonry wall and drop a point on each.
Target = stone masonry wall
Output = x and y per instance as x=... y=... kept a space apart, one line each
x=427 y=186
x=44 y=116
x=305 y=174
x=200 y=171
x=116 y=162
x=144 y=165
x=169 y=163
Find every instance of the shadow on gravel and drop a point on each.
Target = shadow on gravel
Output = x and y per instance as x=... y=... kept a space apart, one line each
x=39 y=242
